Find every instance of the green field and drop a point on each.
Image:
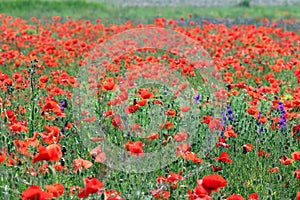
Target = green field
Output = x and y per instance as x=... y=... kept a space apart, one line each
x=116 y=14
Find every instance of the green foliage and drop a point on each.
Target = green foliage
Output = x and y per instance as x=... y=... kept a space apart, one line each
x=244 y=3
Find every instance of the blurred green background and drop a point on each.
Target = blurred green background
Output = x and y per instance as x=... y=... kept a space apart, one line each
x=114 y=13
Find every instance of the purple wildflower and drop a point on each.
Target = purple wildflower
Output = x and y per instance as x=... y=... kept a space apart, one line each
x=260 y=130
x=166 y=91
x=63 y=104
x=197 y=98
x=230 y=113
x=260 y=125
x=282 y=117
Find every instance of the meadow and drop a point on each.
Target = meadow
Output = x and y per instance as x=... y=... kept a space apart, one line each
x=99 y=101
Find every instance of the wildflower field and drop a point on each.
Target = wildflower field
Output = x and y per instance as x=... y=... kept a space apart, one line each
x=176 y=108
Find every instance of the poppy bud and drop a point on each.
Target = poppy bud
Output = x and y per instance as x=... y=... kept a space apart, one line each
x=62 y=162
x=244 y=150
x=228 y=87
x=64 y=150
x=94 y=154
x=134 y=102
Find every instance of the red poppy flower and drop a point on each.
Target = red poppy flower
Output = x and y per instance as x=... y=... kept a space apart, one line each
x=145 y=94
x=131 y=109
x=296 y=155
x=33 y=140
x=51 y=105
x=74 y=189
x=35 y=193
x=80 y=163
x=169 y=125
x=158 y=102
x=286 y=161
x=184 y=108
x=17 y=76
x=262 y=153
x=18 y=127
x=52 y=134
x=215 y=124
x=192 y=156
x=296 y=129
x=97 y=154
x=213 y=182
x=51 y=152
x=253 y=111
x=55 y=189
x=253 y=196
x=91 y=186
x=223 y=158
x=248 y=147
x=181 y=149
x=229 y=132
x=152 y=136
x=59 y=167
x=90 y=119
x=2 y=157
x=43 y=79
x=273 y=170
x=215 y=168
x=160 y=194
x=235 y=197
x=262 y=119
x=222 y=142
x=109 y=85
x=44 y=168
x=206 y=119
x=142 y=102
x=135 y=148
x=199 y=193
x=174 y=178
x=10 y=114
x=117 y=122
x=109 y=113
x=112 y=195
x=183 y=86
x=136 y=128
x=179 y=137
x=22 y=147
x=170 y=113
x=12 y=160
